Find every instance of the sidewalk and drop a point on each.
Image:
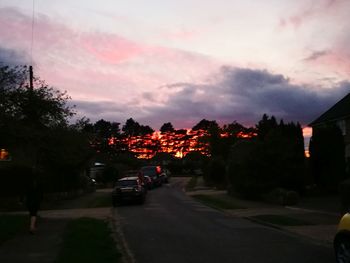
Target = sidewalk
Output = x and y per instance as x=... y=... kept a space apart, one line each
x=44 y=246
x=320 y=221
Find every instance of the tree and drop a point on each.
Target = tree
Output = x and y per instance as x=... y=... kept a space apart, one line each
x=275 y=159
x=167 y=127
x=34 y=127
x=327 y=153
x=205 y=125
x=131 y=127
x=145 y=130
x=103 y=129
x=265 y=125
x=234 y=129
x=26 y=113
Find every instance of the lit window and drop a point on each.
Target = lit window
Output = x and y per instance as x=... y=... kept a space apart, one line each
x=4 y=155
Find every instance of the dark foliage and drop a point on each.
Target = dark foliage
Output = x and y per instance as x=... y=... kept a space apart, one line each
x=34 y=128
x=167 y=127
x=275 y=159
x=327 y=153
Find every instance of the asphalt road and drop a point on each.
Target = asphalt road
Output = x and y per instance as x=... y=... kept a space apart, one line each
x=172 y=227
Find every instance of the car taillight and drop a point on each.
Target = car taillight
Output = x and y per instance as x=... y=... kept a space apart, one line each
x=158 y=170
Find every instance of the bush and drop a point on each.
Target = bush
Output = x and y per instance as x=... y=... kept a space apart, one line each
x=292 y=198
x=246 y=171
x=215 y=172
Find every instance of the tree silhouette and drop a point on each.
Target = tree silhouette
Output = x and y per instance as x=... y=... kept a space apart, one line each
x=205 y=125
x=275 y=159
x=327 y=153
x=131 y=127
x=34 y=127
x=265 y=125
x=146 y=130
x=167 y=127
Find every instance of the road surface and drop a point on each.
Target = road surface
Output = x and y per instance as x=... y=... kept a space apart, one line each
x=172 y=227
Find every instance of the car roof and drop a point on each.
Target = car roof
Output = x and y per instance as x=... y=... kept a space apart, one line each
x=129 y=178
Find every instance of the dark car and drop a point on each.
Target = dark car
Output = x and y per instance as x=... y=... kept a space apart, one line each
x=154 y=172
x=128 y=189
x=148 y=182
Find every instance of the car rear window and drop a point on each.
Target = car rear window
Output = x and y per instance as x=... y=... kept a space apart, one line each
x=149 y=171
x=127 y=183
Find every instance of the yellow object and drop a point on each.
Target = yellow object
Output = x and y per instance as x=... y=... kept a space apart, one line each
x=344 y=223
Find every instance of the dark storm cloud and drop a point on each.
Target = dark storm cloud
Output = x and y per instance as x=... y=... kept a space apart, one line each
x=245 y=95
x=234 y=94
x=12 y=57
x=99 y=110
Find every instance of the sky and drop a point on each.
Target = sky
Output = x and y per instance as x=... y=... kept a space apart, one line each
x=181 y=61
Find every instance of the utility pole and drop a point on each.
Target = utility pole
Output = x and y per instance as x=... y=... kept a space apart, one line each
x=31 y=78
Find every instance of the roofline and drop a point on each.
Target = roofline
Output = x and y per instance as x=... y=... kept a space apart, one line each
x=331 y=108
x=314 y=123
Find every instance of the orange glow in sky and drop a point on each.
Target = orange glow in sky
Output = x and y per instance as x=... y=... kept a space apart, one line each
x=175 y=143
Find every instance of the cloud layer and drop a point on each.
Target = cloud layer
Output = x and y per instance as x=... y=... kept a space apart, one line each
x=112 y=77
x=239 y=94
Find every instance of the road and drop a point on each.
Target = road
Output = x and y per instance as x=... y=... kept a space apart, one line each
x=172 y=227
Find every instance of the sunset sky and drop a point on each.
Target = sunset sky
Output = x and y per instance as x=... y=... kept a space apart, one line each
x=185 y=60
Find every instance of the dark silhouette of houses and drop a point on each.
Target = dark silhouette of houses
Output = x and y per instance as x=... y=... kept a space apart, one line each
x=338 y=114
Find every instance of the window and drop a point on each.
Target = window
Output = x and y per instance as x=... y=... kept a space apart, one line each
x=342 y=126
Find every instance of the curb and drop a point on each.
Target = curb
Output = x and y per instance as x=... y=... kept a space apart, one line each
x=118 y=235
x=270 y=225
x=313 y=211
x=282 y=229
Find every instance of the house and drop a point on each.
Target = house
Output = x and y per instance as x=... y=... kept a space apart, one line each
x=338 y=114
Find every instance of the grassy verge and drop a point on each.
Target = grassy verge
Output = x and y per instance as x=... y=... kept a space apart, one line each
x=191 y=183
x=12 y=225
x=88 y=240
x=101 y=200
x=218 y=201
x=281 y=220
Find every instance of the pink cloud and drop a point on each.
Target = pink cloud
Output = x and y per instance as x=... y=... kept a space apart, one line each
x=15 y=28
x=111 y=48
x=311 y=11
x=98 y=65
x=182 y=34
x=336 y=58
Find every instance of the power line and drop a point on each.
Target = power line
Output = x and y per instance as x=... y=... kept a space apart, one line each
x=31 y=51
x=32 y=40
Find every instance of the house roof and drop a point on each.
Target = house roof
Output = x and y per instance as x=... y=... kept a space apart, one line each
x=340 y=110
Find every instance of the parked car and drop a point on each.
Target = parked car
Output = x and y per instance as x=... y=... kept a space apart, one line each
x=128 y=189
x=165 y=175
x=342 y=240
x=155 y=173
x=148 y=182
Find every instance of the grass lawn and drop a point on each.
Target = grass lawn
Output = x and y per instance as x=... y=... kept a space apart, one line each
x=218 y=201
x=88 y=240
x=90 y=200
x=100 y=200
x=12 y=225
x=281 y=220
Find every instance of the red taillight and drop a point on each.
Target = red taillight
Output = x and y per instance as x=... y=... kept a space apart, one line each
x=158 y=170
